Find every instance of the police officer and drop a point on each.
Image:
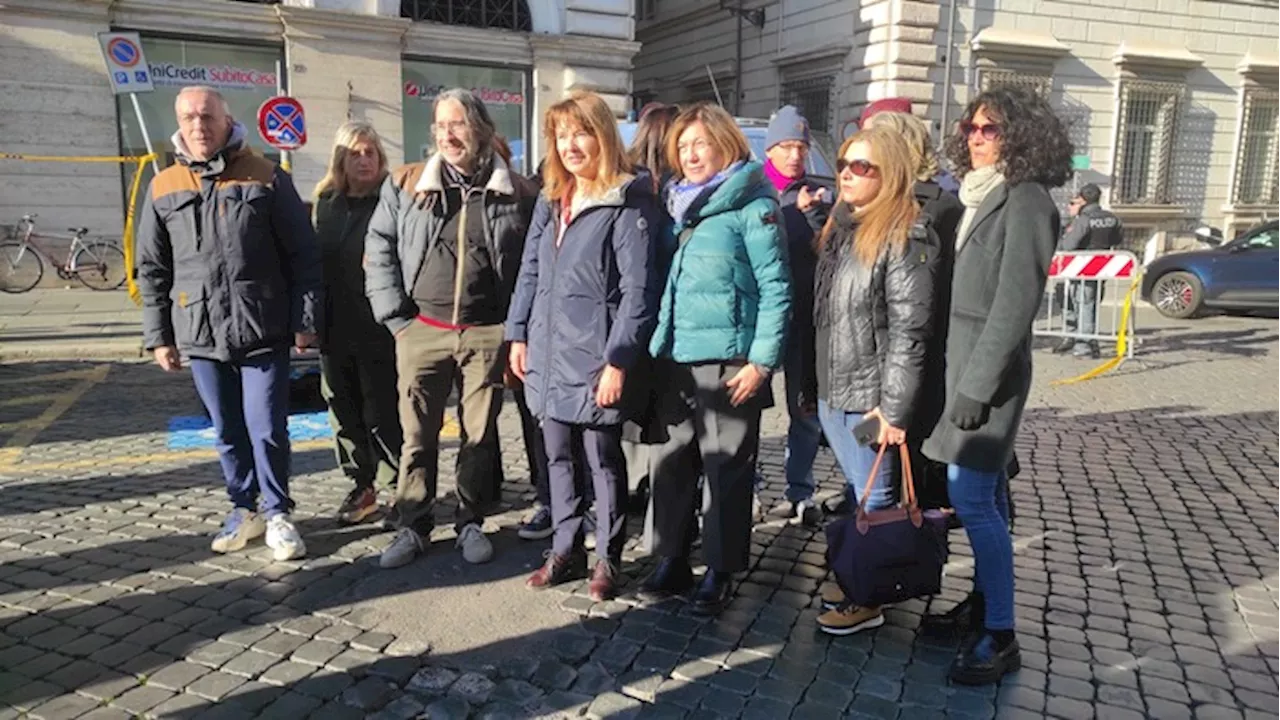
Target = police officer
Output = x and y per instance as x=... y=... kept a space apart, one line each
x=1091 y=228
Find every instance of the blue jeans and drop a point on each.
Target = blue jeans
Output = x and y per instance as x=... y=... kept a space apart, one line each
x=856 y=460
x=804 y=437
x=981 y=501
x=248 y=402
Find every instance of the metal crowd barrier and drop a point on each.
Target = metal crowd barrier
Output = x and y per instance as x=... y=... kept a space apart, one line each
x=1089 y=297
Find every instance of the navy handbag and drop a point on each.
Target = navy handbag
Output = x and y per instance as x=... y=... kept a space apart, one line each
x=891 y=555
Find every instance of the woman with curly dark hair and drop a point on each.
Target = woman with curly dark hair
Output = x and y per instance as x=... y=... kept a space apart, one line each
x=1010 y=149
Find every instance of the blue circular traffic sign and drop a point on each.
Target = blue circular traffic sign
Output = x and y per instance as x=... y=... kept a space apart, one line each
x=124 y=52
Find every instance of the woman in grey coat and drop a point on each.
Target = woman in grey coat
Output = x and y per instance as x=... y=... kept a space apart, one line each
x=1009 y=150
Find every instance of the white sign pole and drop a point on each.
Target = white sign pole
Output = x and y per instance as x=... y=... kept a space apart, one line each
x=146 y=136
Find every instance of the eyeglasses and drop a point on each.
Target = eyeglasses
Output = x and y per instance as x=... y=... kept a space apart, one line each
x=452 y=128
x=990 y=131
x=860 y=168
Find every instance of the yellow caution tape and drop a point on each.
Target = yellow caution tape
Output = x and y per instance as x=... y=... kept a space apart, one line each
x=127 y=241
x=1122 y=340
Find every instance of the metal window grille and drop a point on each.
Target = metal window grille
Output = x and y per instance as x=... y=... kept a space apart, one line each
x=1039 y=84
x=812 y=97
x=503 y=14
x=1149 y=114
x=646 y=9
x=1256 y=177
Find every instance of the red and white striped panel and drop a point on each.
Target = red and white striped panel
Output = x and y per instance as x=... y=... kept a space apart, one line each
x=1093 y=265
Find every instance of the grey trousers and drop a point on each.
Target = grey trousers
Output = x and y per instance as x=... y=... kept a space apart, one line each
x=705 y=435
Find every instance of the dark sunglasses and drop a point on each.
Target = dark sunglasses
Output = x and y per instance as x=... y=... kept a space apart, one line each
x=989 y=132
x=861 y=168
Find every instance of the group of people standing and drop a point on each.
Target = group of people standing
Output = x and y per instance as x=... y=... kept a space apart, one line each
x=638 y=302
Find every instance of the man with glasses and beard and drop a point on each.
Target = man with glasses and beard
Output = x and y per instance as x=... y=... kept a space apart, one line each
x=441 y=259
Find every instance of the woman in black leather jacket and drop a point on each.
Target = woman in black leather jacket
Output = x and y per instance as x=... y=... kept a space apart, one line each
x=873 y=309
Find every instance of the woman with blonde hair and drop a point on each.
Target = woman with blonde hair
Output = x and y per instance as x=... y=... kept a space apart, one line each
x=873 y=310
x=721 y=332
x=357 y=354
x=579 y=321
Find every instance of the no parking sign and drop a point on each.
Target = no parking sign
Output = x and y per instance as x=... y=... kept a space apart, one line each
x=126 y=66
x=282 y=124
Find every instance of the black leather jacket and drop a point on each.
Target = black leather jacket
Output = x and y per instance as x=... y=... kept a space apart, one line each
x=874 y=322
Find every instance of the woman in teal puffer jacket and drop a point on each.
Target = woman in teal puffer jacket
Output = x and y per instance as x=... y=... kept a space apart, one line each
x=721 y=333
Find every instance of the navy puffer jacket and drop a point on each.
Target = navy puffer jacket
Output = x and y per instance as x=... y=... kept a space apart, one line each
x=591 y=301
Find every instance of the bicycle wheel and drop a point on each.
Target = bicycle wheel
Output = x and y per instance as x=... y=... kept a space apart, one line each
x=20 y=267
x=99 y=266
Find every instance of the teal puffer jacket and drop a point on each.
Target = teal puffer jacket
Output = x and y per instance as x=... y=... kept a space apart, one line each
x=728 y=289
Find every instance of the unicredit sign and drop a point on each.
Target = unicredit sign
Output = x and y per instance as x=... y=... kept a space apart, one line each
x=223 y=76
x=489 y=96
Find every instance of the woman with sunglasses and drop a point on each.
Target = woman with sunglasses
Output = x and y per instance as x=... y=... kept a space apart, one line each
x=1010 y=150
x=873 y=301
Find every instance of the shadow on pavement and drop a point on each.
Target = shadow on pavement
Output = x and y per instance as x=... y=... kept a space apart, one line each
x=1146 y=569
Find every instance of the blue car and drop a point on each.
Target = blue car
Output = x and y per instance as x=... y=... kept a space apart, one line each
x=1240 y=275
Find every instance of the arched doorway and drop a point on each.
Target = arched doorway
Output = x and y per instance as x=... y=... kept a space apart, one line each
x=500 y=14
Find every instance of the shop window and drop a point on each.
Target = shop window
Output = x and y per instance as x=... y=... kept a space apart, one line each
x=812 y=97
x=1143 y=168
x=1256 y=176
x=504 y=92
x=246 y=75
x=503 y=14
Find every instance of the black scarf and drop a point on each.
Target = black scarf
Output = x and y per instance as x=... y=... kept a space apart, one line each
x=453 y=177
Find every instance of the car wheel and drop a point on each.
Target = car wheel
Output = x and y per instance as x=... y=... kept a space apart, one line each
x=1178 y=295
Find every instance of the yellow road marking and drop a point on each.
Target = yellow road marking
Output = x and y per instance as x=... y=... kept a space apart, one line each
x=63 y=375
x=28 y=400
x=32 y=428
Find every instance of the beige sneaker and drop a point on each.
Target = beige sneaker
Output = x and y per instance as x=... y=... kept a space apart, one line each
x=475 y=547
x=832 y=596
x=849 y=619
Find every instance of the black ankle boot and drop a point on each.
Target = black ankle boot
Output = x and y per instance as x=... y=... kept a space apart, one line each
x=968 y=614
x=713 y=593
x=670 y=578
x=987 y=659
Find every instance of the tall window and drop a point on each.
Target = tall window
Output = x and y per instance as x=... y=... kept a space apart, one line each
x=646 y=9
x=504 y=14
x=812 y=97
x=1144 y=153
x=1256 y=177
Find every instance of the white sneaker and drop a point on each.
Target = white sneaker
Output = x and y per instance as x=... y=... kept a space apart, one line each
x=238 y=529
x=589 y=529
x=476 y=548
x=403 y=549
x=283 y=538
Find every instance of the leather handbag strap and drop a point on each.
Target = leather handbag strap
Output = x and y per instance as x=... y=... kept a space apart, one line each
x=908 y=498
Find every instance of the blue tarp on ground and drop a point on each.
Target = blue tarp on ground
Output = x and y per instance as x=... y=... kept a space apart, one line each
x=194 y=432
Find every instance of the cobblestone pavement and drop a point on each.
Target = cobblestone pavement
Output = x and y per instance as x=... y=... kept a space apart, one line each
x=1146 y=558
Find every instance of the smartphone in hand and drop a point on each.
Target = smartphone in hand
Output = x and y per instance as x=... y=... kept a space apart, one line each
x=867 y=431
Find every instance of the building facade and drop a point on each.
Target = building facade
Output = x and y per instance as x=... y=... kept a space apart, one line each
x=381 y=61
x=1172 y=104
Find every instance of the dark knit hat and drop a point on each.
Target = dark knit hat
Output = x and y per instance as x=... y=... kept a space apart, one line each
x=787 y=124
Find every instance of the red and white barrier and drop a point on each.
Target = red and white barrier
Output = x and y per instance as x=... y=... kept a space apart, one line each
x=1102 y=265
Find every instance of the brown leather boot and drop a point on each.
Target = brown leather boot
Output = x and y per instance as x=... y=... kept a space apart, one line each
x=557 y=569
x=603 y=584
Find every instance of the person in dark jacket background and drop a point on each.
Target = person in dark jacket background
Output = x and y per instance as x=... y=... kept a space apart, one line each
x=1091 y=228
x=1009 y=150
x=441 y=259
x=805 y=205
x=873 y=310
x=230 y=274
x=357 y=360
x=579 y=322
x=721 y=332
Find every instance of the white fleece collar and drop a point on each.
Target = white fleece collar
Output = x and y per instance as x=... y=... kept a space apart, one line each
x=432 y=179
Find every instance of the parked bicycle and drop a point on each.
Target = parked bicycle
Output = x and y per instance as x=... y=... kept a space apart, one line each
x=96 y=262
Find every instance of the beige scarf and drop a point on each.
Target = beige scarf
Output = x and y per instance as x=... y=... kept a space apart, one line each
x=974 y=189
